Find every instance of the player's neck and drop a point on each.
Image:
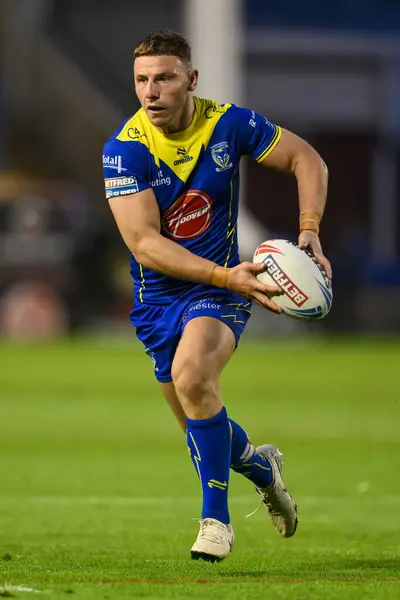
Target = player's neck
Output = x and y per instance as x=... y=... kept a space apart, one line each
x=183 y=121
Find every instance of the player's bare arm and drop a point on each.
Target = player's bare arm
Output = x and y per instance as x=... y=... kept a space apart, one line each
x=138 y=220
x=294 y=155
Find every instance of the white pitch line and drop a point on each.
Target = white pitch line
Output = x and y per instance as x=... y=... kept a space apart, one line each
x=20 y=588
x=169 y=501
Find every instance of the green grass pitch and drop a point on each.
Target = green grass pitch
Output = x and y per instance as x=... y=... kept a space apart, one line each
x=98 y=493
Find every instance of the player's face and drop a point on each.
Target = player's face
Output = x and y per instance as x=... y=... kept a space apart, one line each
x=163 y=85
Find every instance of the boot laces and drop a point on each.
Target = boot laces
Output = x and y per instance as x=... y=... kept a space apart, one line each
x=211 y=531
x=271 y=508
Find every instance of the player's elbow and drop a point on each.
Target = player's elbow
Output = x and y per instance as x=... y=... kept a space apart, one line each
x=138 y=250
x=324 y=168
x=135 y=243
x=141 y=249
x=309 y=160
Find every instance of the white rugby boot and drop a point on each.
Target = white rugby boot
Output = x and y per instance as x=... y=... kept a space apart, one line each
x=280 y=504
x=214 y=541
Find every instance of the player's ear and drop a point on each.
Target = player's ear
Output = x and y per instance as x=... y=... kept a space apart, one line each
x=193 y=79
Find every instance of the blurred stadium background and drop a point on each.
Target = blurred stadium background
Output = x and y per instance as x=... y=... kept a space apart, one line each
x=82 y=420
x=331 y=74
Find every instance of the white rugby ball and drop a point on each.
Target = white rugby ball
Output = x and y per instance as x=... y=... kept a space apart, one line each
x=307 y=288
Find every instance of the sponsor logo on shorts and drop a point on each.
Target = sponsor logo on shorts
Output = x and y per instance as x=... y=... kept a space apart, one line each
x=189 y=216
x=121 y=186
x=291 y=290
x=114 y=162
x=205 y=304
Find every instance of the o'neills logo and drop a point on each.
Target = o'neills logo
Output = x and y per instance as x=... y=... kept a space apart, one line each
x=182 y=161
x=189 y=216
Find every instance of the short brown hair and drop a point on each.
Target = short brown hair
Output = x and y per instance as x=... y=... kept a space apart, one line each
x=164 y=42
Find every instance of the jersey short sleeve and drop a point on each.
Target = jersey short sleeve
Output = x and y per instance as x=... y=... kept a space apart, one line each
x=125 y=167
x=257 y=136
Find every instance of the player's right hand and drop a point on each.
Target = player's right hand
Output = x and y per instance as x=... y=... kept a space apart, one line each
x=243 y=280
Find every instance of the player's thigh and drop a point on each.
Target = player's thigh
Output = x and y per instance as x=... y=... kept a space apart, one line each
x=205 y=348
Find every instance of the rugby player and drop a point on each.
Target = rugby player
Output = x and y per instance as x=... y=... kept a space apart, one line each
x=172 y=181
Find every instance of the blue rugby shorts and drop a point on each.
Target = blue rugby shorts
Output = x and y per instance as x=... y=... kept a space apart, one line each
x=160 y=328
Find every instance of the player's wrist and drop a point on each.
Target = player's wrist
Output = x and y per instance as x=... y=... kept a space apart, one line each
x=310 y=221
x=220 y=277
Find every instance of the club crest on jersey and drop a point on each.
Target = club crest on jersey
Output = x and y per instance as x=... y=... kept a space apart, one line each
x=221 y=157
x=189 y=216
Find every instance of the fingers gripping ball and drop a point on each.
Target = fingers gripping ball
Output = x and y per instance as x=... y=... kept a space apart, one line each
x=306 y=286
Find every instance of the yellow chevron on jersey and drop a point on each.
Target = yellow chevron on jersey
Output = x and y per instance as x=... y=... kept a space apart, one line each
x=194 y=176
x=180 y=151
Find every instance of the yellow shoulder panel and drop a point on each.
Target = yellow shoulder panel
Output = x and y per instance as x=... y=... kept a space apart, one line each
x=180 y=151
x=134 y=128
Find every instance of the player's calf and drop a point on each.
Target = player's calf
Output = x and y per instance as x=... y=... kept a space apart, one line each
x=208 y=434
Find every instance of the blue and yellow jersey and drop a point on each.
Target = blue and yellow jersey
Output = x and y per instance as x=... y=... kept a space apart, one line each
x=194 y=175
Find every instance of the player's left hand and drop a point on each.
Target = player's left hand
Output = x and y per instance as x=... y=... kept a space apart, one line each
x=310 y=241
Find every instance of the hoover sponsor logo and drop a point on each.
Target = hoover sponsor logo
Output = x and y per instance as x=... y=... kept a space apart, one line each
x=189 y=216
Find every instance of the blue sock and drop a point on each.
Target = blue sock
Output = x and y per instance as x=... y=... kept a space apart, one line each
x=209 y=442
x=244 y=460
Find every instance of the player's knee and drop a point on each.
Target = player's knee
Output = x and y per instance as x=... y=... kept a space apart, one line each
x=192 y=383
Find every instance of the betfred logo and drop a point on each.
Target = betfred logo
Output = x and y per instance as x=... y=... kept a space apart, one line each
x=291 y=290
x=120 y=182
x=189 y=216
